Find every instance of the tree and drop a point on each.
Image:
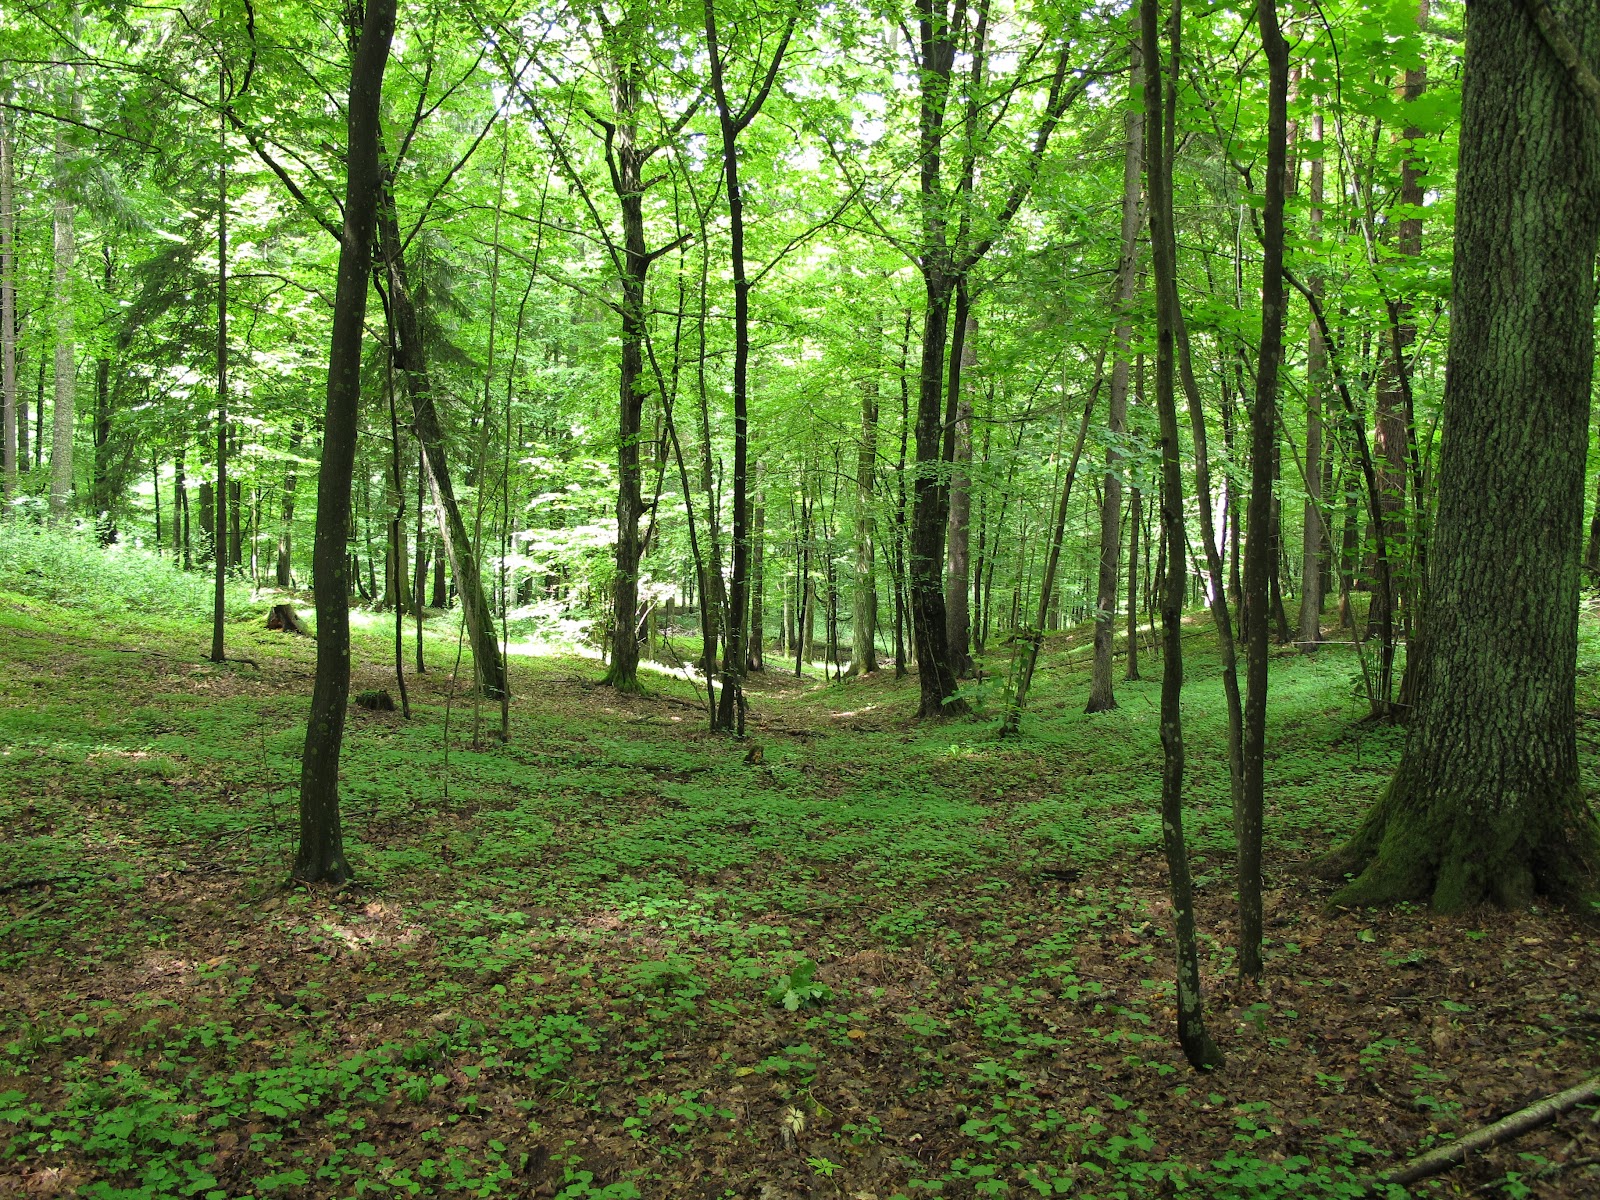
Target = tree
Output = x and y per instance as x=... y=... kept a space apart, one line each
x=731 y=124
x=69 y=105
x=8 y=314
x=1261 y=543
x=1102 y=694
x=1487 y=804
x=1198 y=1047
x=320 y=857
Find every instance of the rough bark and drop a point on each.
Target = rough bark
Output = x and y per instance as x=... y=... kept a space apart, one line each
x=1102 y=693
x=321 y=852
x=1487 y=803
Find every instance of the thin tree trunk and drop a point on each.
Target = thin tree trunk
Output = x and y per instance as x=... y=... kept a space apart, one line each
x=219 y=590
x=1198 y=1047
x=755 y=645
x=1047 y=588
x=458 y=544
x=1313 y=539
x=1102 y=694
x=1135 y=517
x=8 y=317
x=70 y=102
x=321 y=853
x=864 y=592
x=285 y=567
x=957 y=558
x=1260 y=548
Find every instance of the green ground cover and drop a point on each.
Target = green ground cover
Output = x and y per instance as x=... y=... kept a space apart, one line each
x=615 y=958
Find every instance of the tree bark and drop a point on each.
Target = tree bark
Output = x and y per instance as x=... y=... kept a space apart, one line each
x=321 y=853
x=1487 y=803
x=1102 y=693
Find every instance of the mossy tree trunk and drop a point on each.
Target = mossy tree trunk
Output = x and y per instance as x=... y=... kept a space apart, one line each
x=1487 y=804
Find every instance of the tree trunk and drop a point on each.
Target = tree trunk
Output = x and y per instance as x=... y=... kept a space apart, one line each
x=1487 y=804
x=958 y=559
x=1102 y=694
x=1260 y=547
x=69 y=100
x=103 y=492
x=413 y=362
x=864 y=592
x=755 y=644
x=936 y=675
x=1198 y=1047
x=8 y=317
x=1313 y=539
x=220 y=578
x=321 y=853
x=285 y=571
x=1135 y=517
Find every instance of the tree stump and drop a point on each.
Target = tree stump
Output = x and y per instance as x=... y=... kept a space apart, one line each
x=283 y=617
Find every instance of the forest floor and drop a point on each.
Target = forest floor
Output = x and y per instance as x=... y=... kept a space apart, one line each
x=614 y=958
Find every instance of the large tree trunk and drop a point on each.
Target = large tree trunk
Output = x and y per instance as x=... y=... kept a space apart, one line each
x=65 y=239
x=1102 y=694
x=413 y=361
x=958 y=556
x=321 y=852
x=628 y=160
x=1487 y=803
x=930 y=510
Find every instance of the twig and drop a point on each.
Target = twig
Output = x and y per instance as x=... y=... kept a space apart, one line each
x=1437 y=1161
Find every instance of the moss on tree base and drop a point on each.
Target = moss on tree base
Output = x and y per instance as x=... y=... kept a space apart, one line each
x=1416 y=847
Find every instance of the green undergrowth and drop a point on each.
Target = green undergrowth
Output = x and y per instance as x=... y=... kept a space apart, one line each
x=614 y=951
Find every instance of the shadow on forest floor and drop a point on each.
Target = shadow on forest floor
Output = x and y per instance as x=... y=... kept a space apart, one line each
x=613 y=958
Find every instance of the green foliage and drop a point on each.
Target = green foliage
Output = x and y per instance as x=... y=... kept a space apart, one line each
x=800 y=988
